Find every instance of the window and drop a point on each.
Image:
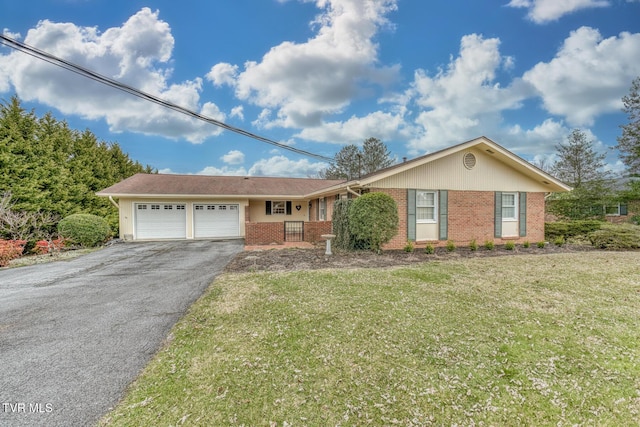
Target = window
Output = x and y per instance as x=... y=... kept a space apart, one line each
x=180 y=207
x=142 y=207
x=425 y=206
x=168 y=207
x=322 y=209
x=509 y=206
x=199 y=207
x=155 y=207
x=278 y=207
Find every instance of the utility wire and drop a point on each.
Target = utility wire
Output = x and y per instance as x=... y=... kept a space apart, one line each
x=85 y=72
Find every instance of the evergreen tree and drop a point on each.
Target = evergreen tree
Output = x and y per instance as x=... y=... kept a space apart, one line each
x=351 y=162
x=581 y=167
x=49 y=168
x=629 y=141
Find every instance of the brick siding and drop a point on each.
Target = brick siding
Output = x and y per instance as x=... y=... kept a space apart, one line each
x=267 y=233
x=471 y=216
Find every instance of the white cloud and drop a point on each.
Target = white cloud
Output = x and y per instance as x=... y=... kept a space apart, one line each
x=223 y=74
x=543 y=11
x=303 y=82
x=237 y=112
x=277 y=165
x=588 y=76
x=283 y=166
x=381 y=125
x=463 y=101
x=137 y=53
x=223 y=171
x=233 y=157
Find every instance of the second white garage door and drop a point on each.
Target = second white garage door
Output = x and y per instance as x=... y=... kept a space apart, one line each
x=216 y=220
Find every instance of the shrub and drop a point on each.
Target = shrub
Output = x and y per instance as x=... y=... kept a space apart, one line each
x=429 y=249
x=10 y=249
x=473 y=245
x=570 y=229
x=45 y=246
x=489 y=245
x=540 y=245
x=559 y=241
x=616 y=237
x=373 y=219
x=340 y=225
x=509 y=246
x=84 y=230
x=450 y=246
x=526 y=244
x=409 y=246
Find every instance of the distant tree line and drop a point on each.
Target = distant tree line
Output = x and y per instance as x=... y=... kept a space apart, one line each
x=49 y=168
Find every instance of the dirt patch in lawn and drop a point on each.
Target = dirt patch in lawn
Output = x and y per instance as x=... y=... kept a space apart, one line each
x=290 y=259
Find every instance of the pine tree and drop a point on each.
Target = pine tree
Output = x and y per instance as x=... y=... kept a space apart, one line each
x=629 y=141
x=581 y=167
x=351 y=162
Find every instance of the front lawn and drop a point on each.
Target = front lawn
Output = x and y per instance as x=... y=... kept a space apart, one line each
x=515 y=340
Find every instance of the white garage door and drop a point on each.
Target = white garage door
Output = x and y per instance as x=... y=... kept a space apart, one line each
x=161 y=221
x=216 y=220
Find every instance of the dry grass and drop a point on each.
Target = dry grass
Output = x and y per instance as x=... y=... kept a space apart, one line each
x=527 y=340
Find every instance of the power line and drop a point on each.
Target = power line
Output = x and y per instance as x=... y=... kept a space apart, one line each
x=85 y=72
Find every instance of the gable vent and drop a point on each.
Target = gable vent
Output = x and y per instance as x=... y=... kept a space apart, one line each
x=469 y=160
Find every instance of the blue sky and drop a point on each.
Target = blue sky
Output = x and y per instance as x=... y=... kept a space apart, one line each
x=317 y=75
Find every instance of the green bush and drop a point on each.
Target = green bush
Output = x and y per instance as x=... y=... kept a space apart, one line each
x=570 y=229
x=340 y=225
x=559 y=241
x=526 y=244
x=429 y=249
x=489 y=245
x=473 y=245
x=509 y=246
x=616 y=237
x=373 y=219
x=409 y=247
x=451 y=246
x=84 y=230
x=540 y=245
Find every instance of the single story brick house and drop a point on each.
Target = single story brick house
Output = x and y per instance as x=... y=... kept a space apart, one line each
x=474 y=190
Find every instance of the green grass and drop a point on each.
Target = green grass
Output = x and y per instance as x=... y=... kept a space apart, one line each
x=519 y=340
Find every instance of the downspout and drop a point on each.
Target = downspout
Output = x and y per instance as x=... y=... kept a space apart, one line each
x=113 y=202
x=352 y=192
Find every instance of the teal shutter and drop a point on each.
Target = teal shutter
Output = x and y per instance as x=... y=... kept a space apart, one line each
x=267 y=207
x=497 y=227
x=411 y=214
x=522 y=198
x=443 y=216
x=624 y=210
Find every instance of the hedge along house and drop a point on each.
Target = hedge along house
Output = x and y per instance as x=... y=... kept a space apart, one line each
x=476 y=190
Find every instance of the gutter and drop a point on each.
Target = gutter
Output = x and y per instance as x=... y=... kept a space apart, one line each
x=353 y=192
x=113 y=202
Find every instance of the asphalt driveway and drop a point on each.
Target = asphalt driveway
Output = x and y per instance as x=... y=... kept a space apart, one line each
x=74 y=334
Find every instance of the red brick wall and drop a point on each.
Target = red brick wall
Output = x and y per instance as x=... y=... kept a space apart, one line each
x=264 y=233
x=535 y=218
x=313 y=230
x=470 y=216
